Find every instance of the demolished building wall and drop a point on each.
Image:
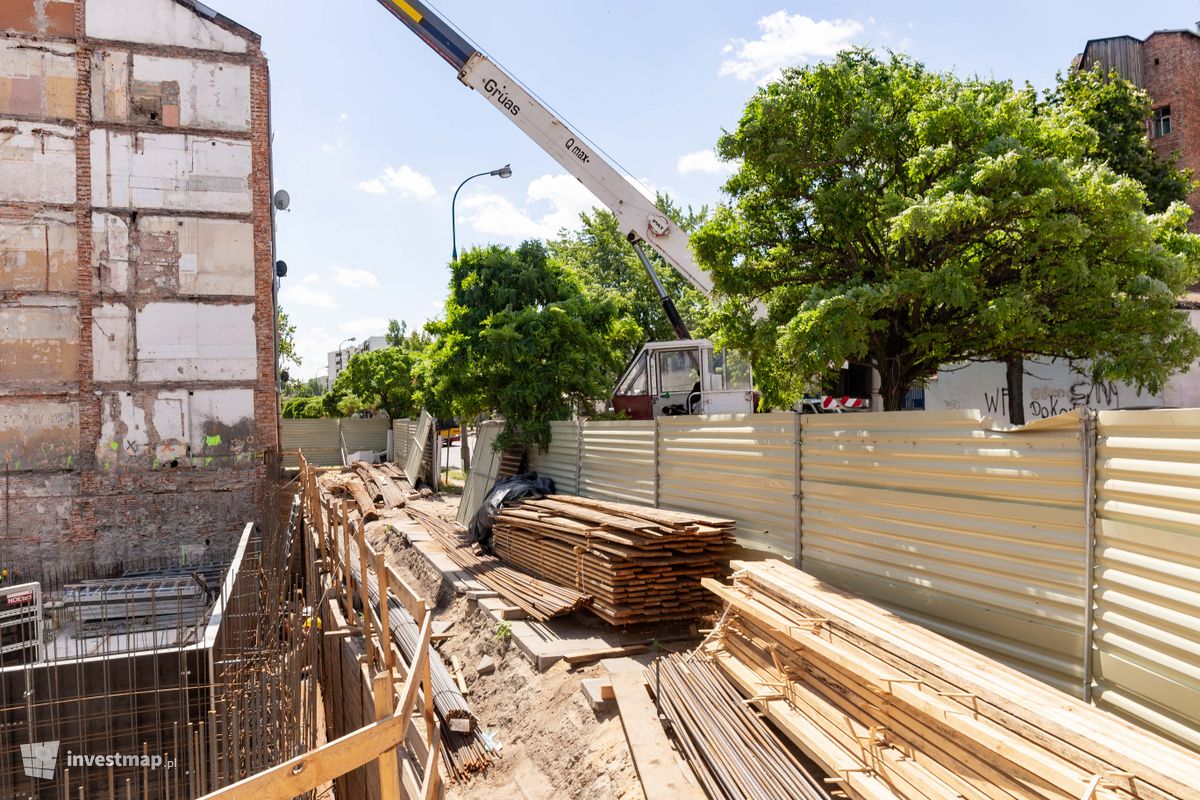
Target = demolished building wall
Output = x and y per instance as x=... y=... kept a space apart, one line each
x=137 y=351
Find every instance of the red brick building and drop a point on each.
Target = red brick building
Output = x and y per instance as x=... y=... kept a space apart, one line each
x=1167 y=65
x=137 y=342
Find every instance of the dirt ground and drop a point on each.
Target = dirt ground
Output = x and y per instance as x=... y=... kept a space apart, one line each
x=553 y=745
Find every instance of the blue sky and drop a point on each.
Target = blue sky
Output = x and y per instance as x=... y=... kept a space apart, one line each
x=373 y=131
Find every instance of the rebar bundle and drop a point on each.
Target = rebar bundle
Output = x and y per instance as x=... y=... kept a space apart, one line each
x=735 y=755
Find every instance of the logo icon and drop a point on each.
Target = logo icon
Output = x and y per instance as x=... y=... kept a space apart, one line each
x=40 y=759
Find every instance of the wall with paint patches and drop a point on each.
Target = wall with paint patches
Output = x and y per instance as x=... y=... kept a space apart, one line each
x=137 y=364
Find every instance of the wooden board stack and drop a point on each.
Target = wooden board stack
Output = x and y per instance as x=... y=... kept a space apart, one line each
x=892 y=710
x=540 y=599
x=639 y=564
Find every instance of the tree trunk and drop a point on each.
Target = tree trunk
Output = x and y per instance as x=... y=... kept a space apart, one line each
x=1015 y=377
x=893 y=394
x=466 y=447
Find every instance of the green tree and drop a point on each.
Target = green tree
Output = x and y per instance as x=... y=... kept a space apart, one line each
x=903 y=218
x=599 y=253
x=524 y=337
x=286 y=334
x=378 y=379
x=1118 y=111
x=304 y=408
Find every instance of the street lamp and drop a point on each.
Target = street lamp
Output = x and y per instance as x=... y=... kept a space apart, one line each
x=340 y=365
x=503 y=172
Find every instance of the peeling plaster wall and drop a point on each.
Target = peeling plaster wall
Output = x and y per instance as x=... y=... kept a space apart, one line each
x=137 y=375
x=170 y=171
x=157 y=22
x=38 y=252
x=37 y=80
x=39 y=346
x=37 y=162
x=154 y=91
x=38 y=434
x=40 y=17
x=193 y=341
x=172 y=256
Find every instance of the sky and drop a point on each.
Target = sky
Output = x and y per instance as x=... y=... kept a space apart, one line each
x=373 y=131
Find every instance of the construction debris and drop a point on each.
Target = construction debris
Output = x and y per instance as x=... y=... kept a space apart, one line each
x=486 y=666
x=638 y=564
x=892 y=710
x=540 y=599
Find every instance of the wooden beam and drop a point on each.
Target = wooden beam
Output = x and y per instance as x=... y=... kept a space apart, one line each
x=659 y=771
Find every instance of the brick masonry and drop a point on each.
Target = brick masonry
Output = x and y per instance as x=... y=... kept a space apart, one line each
x=59 y=512
x=1171 y=71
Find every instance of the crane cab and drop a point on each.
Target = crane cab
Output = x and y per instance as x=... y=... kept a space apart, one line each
x=683 y=377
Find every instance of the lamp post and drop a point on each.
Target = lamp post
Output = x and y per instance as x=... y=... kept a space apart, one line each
x=502 y=172
x=340 y=365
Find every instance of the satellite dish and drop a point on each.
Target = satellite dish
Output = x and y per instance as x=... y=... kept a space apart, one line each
x=281 y=268
x=282 y=200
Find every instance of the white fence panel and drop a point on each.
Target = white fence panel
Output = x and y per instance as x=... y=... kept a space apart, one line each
x=741 y=466
x=1147 y=619
x=561 y=461
x=617 y=461
x=975 y=532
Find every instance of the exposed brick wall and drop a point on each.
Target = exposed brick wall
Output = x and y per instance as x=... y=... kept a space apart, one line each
x=86 y=509
x=1171 y=70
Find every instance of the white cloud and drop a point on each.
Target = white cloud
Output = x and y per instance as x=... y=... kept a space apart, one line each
x=355 y=278
x=332 y=148
x=343 y=117
x=406 y=182
x=364 y=328
x=705 y=161
x=787 y=40
x=301 y=294
x=496 y=215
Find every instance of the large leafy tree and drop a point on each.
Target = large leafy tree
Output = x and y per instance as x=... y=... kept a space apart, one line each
x=1118 y=110
x=600 y=255
x=286 y=333
x=524 y=337
x=378 y=379
x=890 y=215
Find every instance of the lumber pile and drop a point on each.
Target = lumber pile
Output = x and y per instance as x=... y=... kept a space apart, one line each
x=734 y=754
x=638 y=564
x=540 y=599
x=373 y=487
x=892 y=710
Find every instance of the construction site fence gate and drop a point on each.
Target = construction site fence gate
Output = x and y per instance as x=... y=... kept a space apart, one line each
x=1068 y=548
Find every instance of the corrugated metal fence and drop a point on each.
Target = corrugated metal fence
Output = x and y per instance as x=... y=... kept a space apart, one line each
x=1147 y=551
x=322 y=439
x=1069 y=548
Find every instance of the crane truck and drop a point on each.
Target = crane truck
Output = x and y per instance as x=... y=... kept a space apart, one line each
x=685 y=376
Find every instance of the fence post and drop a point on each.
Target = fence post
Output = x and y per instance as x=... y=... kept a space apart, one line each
x=579 y=456
x=657 y=477
x=1088 y=433
x=798 y=446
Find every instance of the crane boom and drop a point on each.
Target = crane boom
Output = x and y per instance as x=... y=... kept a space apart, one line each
x=640 y=219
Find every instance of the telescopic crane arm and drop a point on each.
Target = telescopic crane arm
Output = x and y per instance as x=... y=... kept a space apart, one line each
x=640 y=219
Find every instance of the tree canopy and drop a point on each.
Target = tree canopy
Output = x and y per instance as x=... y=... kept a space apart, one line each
x=524 y=337
x=600 y=255
x=1118 y=110
x=891 y=215
x=381 y=379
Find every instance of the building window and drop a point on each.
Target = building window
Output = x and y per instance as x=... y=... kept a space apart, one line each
x=1161 y=125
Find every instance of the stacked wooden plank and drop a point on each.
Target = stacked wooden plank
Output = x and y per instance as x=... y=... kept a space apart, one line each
x=638 y=564
x=892 y=710
x=540 y=599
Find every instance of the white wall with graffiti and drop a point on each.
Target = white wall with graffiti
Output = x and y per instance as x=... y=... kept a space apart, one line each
x=1051 y=387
